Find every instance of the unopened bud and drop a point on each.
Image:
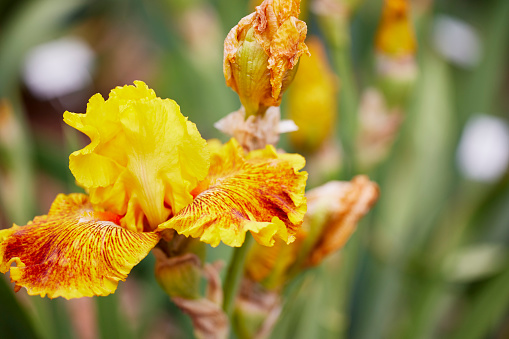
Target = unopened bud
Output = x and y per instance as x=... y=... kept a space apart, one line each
x=261 y=52
x=395 y=52
x=314 y=90
x=178 y=276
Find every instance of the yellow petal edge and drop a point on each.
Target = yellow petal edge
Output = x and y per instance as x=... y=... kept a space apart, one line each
x=262 y=192
x=73 y=251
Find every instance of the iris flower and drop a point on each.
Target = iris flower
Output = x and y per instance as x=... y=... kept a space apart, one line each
x=148 y=170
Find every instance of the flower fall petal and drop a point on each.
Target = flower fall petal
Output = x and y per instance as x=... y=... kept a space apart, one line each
x=262 y=192
x=73 y=251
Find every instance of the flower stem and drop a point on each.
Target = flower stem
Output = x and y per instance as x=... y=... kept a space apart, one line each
x=348 y=107
x=234 y=274
x=337 y=33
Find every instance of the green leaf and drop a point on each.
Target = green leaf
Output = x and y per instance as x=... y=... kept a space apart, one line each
x=14 y=321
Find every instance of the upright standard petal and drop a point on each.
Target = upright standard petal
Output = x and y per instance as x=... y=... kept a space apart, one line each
x=262 y=192
x=144 y=157
x=73 y=251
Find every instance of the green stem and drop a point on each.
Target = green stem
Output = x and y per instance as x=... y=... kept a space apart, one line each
x=234 y=274
x=348 y=102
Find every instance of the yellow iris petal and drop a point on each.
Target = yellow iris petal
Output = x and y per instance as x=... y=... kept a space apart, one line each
x=262 y=193
x=144 y=157
x=73 y=251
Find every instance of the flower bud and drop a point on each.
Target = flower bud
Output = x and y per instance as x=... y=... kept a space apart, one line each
x=178 y=276
x=261 y=52
x=314 y=90
x=395 y=36
x=395 y=52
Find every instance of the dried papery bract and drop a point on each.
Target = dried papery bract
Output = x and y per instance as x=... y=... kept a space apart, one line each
x=379 y=126
x=334 y=210
x=261 y=54
x=344 y=204
x=256 y=131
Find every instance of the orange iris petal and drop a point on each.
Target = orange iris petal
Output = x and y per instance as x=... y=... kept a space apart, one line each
x=73 y=251
x=263 y=194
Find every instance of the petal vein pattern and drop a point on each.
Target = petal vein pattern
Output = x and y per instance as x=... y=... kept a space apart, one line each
x=262 y=193
x=73 y=251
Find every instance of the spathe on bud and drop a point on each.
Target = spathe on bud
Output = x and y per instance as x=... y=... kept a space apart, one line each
x=261 y=54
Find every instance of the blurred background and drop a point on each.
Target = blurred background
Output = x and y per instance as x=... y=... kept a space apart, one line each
x=428 y=121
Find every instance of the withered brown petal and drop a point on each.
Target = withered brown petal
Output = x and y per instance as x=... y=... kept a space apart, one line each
x=347 y=203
